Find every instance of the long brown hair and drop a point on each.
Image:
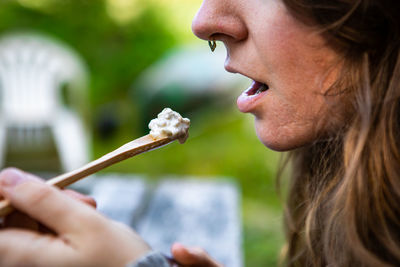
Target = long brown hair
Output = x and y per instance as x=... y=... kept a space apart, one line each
x=343 y=205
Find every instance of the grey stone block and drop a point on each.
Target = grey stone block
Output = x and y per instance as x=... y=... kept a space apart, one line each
x=196 y=213
x=119 y=197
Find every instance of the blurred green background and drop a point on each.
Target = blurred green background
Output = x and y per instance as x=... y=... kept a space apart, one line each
x=118 y=39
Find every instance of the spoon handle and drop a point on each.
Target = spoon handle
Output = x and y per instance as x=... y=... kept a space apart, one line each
x=135 y=147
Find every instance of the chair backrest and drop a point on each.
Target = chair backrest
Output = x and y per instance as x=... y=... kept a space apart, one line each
x=33 y=69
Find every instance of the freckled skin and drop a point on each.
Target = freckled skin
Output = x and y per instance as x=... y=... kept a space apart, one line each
x=265 y=43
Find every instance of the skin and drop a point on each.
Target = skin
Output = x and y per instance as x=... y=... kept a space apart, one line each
x=265 y=43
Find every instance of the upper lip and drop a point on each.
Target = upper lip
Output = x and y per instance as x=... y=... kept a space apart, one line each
x=230 y=68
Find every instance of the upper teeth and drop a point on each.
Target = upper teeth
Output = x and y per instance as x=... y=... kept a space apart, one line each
x=262 y=88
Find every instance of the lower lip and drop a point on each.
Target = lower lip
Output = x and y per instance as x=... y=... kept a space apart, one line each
x=247 y=103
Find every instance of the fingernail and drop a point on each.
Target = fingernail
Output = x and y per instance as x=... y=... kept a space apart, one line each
x=11 y=177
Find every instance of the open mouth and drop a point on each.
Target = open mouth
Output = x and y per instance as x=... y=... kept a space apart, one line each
x=256 y=88
x=248 y=101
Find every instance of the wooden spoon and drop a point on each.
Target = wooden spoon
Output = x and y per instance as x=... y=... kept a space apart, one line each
x=135 y=147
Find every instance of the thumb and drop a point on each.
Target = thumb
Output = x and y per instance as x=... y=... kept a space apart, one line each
x=45 y=203
x=192 y=256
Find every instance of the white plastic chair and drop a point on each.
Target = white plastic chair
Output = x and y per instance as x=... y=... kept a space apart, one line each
x=33 y=71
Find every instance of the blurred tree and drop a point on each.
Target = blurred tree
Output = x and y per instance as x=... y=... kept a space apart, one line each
x=115 y=52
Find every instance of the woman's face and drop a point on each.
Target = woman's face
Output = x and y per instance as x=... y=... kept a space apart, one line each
x=280 y=54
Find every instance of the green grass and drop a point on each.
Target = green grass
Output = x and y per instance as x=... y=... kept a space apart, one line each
x=222 y=146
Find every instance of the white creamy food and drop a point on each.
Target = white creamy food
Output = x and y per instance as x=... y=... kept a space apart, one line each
x=170 y=124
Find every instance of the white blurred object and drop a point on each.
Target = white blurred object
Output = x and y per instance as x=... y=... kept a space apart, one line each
x=33 y=71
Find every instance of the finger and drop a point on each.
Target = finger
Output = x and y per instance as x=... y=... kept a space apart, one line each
x=78 y=196
x=47 y=204
x=20 y=220
x=29 y=175
x=20 y=247
x=71 y=193
x=192 y=256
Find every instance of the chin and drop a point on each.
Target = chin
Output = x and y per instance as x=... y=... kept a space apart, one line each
x=279 y=139
x=276 y=145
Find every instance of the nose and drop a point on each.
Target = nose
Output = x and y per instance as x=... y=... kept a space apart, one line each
x=219 y=20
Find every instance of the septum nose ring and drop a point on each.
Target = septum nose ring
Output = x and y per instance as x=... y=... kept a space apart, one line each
x=212 y=44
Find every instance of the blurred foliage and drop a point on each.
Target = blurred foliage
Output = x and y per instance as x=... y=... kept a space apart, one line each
x=115 y=53
x=118 y=39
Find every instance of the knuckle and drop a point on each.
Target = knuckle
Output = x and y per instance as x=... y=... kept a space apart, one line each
x=92 y=220
x=40 y=194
